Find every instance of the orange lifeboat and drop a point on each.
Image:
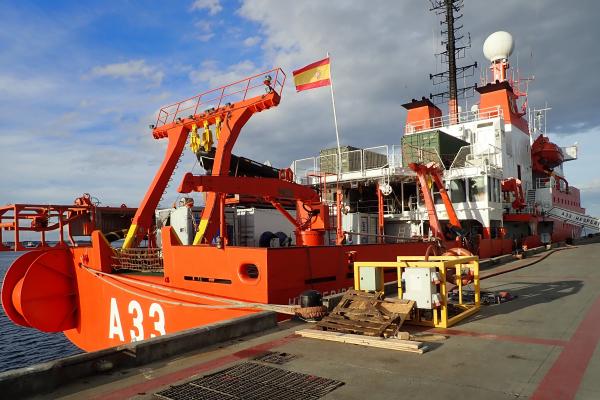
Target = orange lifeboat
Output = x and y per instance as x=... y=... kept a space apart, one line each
x=545 y=155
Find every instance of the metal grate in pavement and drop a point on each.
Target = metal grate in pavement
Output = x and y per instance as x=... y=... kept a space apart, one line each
x=253 y=381
x=275 y=357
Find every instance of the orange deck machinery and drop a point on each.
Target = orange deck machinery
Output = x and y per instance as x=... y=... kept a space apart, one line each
x=78 y=219
x=453 y=236
x=427 y=174
x=100 y=296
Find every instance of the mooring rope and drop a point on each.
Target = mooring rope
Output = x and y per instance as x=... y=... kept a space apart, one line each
x=233 y=304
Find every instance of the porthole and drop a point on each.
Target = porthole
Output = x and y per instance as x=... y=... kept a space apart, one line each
x=249 y=273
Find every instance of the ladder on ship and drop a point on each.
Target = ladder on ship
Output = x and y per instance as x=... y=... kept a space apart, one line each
x=530 y=198
x=575 y=218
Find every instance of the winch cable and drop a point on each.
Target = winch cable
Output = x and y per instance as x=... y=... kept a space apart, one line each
x=233 y=304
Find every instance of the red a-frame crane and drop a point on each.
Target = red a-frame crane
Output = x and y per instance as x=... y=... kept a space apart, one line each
x=432 y=171
x=227 y=108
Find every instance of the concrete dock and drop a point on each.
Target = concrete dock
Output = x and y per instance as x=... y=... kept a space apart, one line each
x=541 y=345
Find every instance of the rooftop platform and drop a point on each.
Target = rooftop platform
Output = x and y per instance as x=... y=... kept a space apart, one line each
x=541 y=345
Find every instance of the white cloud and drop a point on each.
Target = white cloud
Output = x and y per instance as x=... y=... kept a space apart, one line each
x=213 y=6
x=205 y=37
x=215 y=76
x=22 y=87
x=130 y=70
x=203 y=25
x=205 y=28
x=251 y=41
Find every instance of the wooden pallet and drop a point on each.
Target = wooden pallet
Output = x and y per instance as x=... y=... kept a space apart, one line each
x=390 y=343
x=367 y=314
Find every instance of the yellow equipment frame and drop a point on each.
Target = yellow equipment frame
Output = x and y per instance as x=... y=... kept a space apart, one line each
x=441 y=317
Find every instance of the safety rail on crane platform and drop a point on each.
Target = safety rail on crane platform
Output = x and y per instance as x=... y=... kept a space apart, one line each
x=447 y=120
x=215 y=98
x=357 y=162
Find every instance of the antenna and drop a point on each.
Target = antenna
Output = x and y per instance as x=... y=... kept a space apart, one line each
x=454 y=51
x=539 y=121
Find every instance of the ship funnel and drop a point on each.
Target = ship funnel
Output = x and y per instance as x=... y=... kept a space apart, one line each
x=497 y=48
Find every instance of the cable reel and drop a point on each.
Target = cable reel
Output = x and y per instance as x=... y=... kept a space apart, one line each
x=386 y=189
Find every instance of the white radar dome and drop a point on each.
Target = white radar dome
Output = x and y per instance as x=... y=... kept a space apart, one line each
x=499 y=45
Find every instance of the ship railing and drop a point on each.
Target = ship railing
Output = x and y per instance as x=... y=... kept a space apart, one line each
x=234 y=92
x=489 y=156
x=447 y=120
x=303 y=168
x=461 y=160
x=528 y=209
x=541 y=183
x=476 y=156
x=356 y=162
x=372 y=206
x=395 y=156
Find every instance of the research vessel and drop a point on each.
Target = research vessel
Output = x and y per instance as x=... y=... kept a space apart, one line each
x=186 y=266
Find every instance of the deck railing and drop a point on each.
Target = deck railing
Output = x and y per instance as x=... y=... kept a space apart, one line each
x=359 y=161
x=234 y=92
x=469 y=156
x=447 y=120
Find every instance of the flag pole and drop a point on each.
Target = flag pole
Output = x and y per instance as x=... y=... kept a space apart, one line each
x=337 y=133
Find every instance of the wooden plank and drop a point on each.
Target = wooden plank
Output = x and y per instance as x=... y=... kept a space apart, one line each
x=367 y=328
x=367 y=313
x=398 y=308
x=397 y=300
x=358 y=315
x=351 y=337
x=389 y=344
x=366 y=322
x=403 y=335
x=361 y=293
x=350 y=328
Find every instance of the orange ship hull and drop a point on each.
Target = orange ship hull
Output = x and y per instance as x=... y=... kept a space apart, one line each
x=97 y=310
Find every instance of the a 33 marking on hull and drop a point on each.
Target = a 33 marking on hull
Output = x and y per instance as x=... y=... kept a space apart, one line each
x=136 y=312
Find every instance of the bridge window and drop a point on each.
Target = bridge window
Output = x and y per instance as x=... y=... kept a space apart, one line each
x=477 y=190
x=497 y=190
x=493 y=189
x=458 y=193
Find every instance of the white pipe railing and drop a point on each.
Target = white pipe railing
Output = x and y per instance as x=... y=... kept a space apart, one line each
x=447 y=120
x=353 y=161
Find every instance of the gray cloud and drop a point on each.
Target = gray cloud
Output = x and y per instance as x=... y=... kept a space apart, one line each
x=382 y=54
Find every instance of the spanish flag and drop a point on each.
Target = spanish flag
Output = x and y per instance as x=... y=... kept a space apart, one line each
x=313 y=75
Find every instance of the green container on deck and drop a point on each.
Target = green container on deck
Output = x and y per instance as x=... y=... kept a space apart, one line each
x=424 y=147
x=353 y=159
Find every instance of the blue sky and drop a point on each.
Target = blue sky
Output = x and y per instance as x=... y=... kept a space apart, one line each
x=80 y=81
